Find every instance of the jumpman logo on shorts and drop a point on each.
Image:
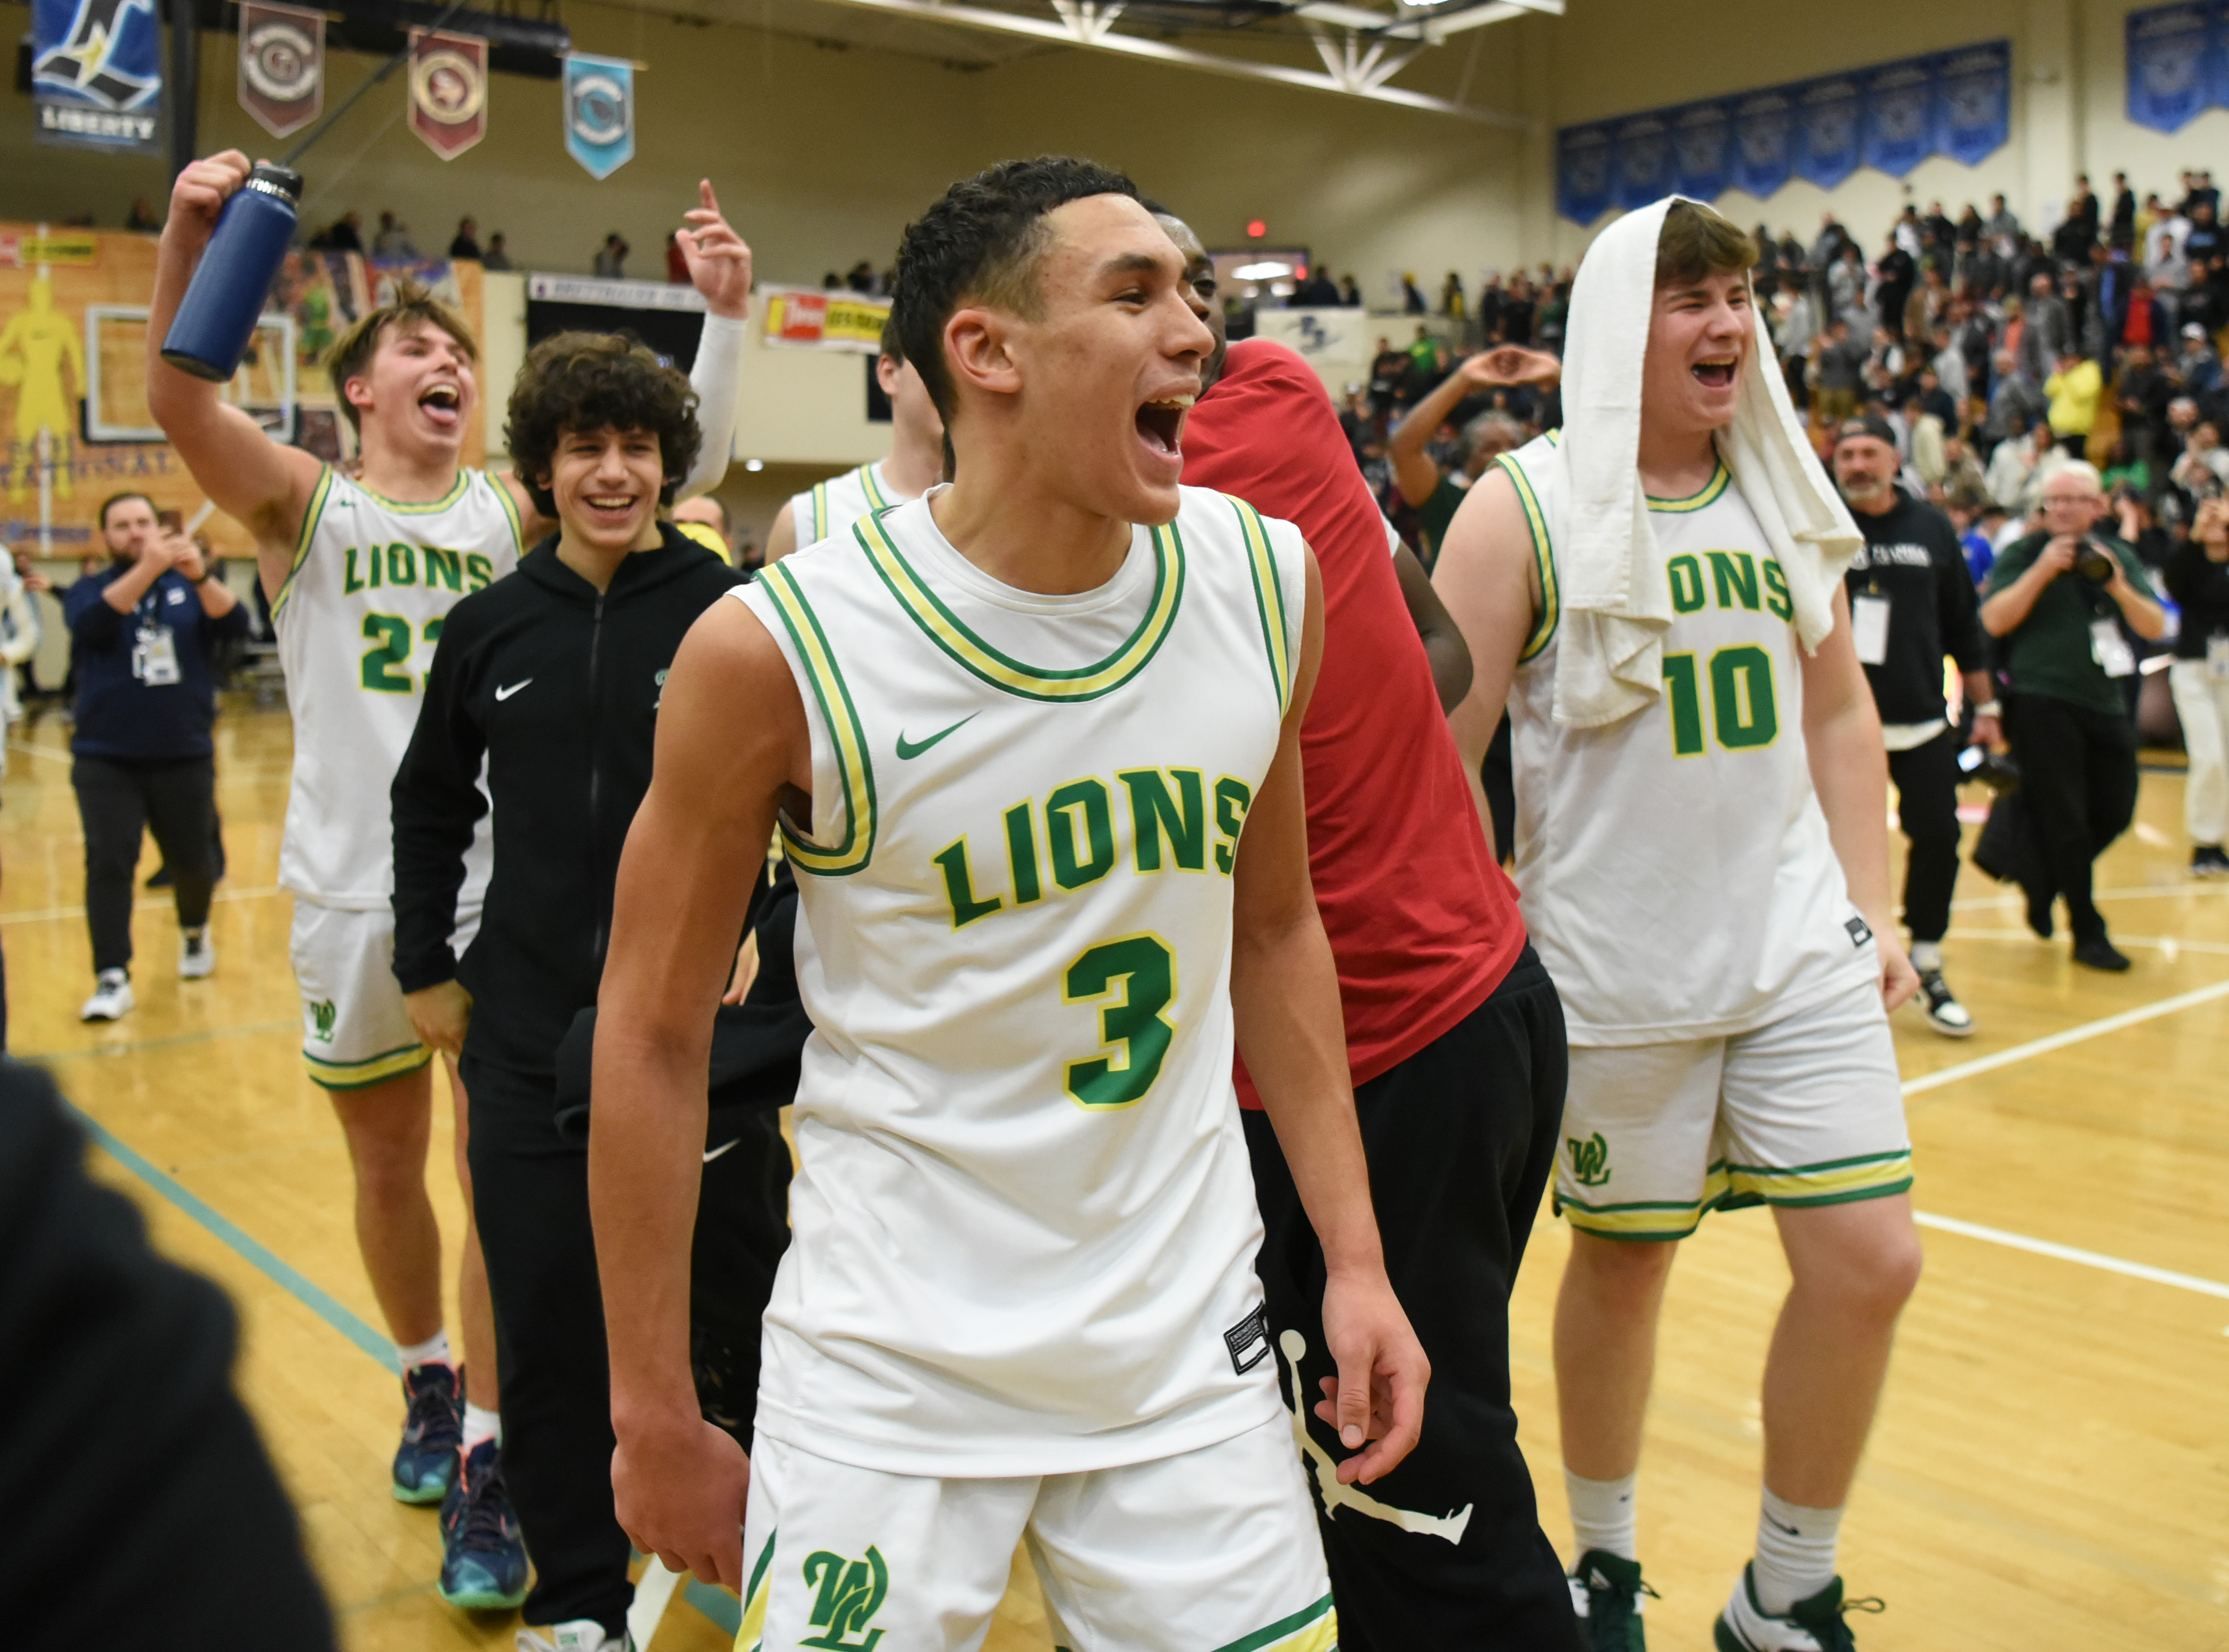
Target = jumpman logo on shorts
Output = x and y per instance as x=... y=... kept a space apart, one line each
x=1337 y=1497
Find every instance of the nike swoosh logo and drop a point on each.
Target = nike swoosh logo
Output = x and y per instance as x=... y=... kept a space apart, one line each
x=909 y=749
x=503 y=694
x=715 y=1152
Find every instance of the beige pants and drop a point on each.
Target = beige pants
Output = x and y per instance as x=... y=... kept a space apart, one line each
x=2201 y=700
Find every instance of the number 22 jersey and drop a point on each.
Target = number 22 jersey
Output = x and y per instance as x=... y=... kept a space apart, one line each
x=1024 y=1223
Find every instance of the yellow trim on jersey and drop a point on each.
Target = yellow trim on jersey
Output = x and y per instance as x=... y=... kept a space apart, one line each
x=820 y=498
x=946 y=629
x=405 y=508
x=1536 y=523
x=876 y=501
x=510 y=509
x=1268 y=598
x=751 y=1632
x=358 y=1075
x=1720 y=479
x=1315 y=1627
x=310 y=514
x=1731 y=1187
x=854 y=772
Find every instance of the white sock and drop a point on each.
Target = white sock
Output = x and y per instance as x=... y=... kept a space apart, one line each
x=1926 y=954
x=481 y=1424
x=1601 y=1513
x=434 y=1351
x=1794 y=1553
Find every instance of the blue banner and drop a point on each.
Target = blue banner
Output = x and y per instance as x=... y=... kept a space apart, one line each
x=2167 y=66
x=97 y=73
x=1826 y=120
x=2217 y=57
x=1644 y=160
x=1582 y=167
x=1973 y=104
x=599 y=109
x=1764 y=143
x=1899 y=118
x=1702 y=150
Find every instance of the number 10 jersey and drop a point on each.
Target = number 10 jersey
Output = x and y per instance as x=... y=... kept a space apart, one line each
x=1024 y=1224
x=357 y=620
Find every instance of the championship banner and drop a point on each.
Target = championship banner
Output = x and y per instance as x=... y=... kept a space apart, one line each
x=1702 y=144
x=449 y=90
x=799 y=318
x=1764 y=143
x=97 y=75
x=599 y=108
x=2167 y=66
x=1644 y=161
x=1899 y=118
x=1973 y=104
x=282 y=65
x=1827 y=132
x=1583 y=168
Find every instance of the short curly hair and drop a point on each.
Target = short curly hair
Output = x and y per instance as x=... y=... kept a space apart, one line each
x=575 y=381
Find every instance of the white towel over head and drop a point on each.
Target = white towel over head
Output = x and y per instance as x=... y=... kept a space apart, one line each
x=1616 y=602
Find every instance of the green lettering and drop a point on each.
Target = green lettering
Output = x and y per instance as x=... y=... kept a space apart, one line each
x=1022 y=853
x=1735 y=571
x=386 y=667
x=1233 y=797
x=1154 y=812
x=350 y=584
x=1686 y=576
x=1080 y=808
x=443 y=568
x=1686 y=703
x=960 y=887
x=401 y=565
x=1778 y=602
x=374 y=561
x=1743 y=710
x=478 y=571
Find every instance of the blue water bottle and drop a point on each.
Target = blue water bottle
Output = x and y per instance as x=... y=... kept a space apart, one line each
x=217 y=318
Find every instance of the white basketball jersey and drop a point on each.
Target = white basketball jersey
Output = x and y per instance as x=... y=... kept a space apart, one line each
x=357 y=620
x=1024 y=1223
x=1675 y=866
x=827 y=509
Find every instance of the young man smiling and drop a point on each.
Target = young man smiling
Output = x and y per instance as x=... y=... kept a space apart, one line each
x=1014 y=733
x=361 y=573
x=1702 y=855
x=553 y=679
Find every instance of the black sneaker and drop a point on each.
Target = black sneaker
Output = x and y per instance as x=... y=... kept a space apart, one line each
x=1944 y=1013
x=2208 y=860
x=2039 y=912
x=483 y=1557
x=1607 y=1593
x=433 y=1428
x=2099 y=953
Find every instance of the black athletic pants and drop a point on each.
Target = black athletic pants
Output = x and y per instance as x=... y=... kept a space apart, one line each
x=1460 y=1139
x=118 y=802
x=2078 y=773
x=530 y=1194
x=1926 y=780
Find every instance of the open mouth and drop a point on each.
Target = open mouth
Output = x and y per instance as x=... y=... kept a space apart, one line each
x=443 y=402
x=1716 y=376
x=618 y=504
x=1161 y=423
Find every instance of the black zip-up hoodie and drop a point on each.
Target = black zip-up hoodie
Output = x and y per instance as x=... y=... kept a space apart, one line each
x=558 y=686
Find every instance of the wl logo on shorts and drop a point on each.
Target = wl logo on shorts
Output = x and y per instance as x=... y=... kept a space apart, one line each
x=1590 y=1160
x=321 y=1021
x=851 y=1592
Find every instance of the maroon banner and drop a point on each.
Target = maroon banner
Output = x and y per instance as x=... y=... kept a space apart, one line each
x=448 y=91
x=282 y=65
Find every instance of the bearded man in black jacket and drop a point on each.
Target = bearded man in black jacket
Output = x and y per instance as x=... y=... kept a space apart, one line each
x=554 y=679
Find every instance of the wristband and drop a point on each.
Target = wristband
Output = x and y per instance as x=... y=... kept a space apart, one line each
x=1989 y=709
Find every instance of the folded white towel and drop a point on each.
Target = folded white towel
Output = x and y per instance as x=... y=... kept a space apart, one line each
x=1616 y=603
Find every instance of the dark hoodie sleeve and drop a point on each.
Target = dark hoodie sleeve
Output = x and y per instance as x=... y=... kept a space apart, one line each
x=437 y=802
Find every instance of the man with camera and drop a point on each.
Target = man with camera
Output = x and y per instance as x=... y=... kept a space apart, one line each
x=1911 y=602
x=143 y=629
x=2057 y=600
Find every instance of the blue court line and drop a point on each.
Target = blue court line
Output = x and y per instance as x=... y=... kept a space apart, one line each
x=725 y=1612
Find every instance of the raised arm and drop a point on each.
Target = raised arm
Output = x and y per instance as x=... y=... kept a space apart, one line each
x=1284 y=999
x=1413 y=473
x=260 y=484
x=720 y=268
x=1490 y=581
x=696 y=848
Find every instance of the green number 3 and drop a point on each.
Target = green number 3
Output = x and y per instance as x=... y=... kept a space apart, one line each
x=1140 y=973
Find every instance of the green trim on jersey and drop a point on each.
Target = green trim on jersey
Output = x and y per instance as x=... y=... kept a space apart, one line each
x=373 y=1070
x=853 y=769
x=1536 y=523
x=876 y=500
x=404 y=507
x=1721 y=479
x=1268 y=598
x=1732 y=1188
x=310 y=514
x=1315 y=1627
x=510 y=509
x=947 y=630
x=750 y=1633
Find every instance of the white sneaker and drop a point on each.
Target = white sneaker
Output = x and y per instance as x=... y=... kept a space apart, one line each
x=582 y=1635
x=1815 y=1624
x=112 y=996
x=197 y=956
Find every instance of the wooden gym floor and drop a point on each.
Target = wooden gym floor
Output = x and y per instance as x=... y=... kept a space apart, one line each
x=2050 y=1469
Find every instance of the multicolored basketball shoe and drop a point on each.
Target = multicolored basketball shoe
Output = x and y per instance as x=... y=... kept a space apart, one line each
x=433 y=1427
x=1815 y=1624
x=1608 y=1595
x=483 y=1557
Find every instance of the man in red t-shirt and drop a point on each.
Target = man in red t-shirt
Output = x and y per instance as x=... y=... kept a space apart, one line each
x=1455 y=1036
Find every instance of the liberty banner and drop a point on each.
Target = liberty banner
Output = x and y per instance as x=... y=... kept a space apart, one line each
x=97 y=75
x=449 y=90
x=599 y=111
x=282 y=65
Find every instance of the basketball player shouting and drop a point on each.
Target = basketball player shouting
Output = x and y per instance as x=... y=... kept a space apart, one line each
x=360 y=573
x=1035 y=744
x=1701 y=853
x=917 y=460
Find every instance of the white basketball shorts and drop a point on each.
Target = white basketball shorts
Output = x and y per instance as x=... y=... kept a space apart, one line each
x=1215 y=1549
x=1808 y=1110
x=355 y=1028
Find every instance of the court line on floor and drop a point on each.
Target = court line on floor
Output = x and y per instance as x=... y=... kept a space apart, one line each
x=133 y=1047
x=2073 y=1035
x=144 y=904
x=2009 y=895
x=2070 y=1253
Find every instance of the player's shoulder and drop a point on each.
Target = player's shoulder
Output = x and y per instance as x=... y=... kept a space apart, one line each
x=1213 y=510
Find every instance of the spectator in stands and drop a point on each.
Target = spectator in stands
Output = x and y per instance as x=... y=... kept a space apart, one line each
x=143 y=756
x=497 y=258
x=611 y=257
x=2198 y=367
x=2012 y=465
x=2000 y=224
x=2198 y=580
x=1350 y=295
x=466 y=243
x=1846 y=290
x=1836 y=372
x=2018 y=401
x=2065 y=655
x=704 y=519
x=393 y=240
x=344 y=233
x=2204 y=464
x=2044 y=334
x=2122 y=227
x=1435 y=493
x=2074 y=390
